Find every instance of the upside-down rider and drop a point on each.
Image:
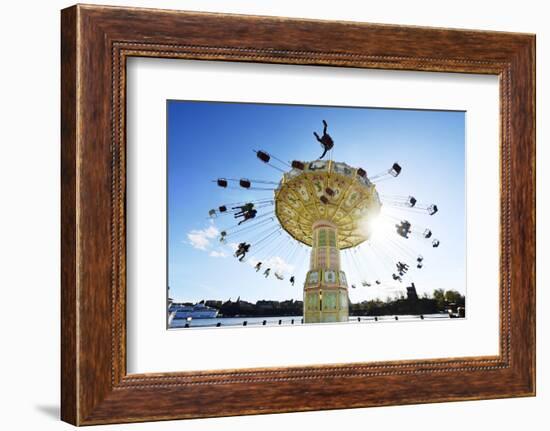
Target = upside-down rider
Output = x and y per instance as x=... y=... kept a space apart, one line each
x=326 y=141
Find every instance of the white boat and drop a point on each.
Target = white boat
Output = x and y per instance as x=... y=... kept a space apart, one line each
x=197 y=311
x=171 y=316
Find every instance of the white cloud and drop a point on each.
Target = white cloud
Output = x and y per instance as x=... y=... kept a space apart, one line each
x=215 y=253
x=200 y=239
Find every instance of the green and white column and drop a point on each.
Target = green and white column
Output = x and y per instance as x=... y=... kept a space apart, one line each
x=325 y=288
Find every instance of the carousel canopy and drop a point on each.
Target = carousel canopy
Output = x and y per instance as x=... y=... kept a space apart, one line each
x=327 y=190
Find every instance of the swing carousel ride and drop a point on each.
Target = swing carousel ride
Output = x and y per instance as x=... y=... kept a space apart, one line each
x=327 y=209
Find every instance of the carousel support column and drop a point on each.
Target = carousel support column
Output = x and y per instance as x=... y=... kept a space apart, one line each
x=325 y=288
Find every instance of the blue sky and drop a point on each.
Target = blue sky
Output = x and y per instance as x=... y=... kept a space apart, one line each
x=208 y=140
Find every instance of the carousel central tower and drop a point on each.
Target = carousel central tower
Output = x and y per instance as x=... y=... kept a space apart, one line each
x=325 y=287
x=326 y=205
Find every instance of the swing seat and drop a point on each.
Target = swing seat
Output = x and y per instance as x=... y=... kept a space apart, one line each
x=361 y=172
x=263 y=156
x=298 y=165
x=395 y=170
x=244 y=183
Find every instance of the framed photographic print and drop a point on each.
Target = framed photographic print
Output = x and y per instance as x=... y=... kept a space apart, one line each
x=259 y=204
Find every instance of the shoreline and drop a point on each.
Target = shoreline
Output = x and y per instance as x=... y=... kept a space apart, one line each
x=256 y=321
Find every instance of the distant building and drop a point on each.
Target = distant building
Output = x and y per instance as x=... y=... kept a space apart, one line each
x=213 y=303
x=411 y=293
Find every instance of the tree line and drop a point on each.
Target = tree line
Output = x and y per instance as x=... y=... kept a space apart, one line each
x=439 y=301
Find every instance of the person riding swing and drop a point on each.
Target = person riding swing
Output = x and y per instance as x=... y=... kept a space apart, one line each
x=248 y=215
x=242 y=250
x=326 y=141
x=243 y=209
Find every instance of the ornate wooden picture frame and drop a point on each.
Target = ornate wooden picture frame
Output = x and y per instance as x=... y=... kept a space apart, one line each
x=96 y=41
